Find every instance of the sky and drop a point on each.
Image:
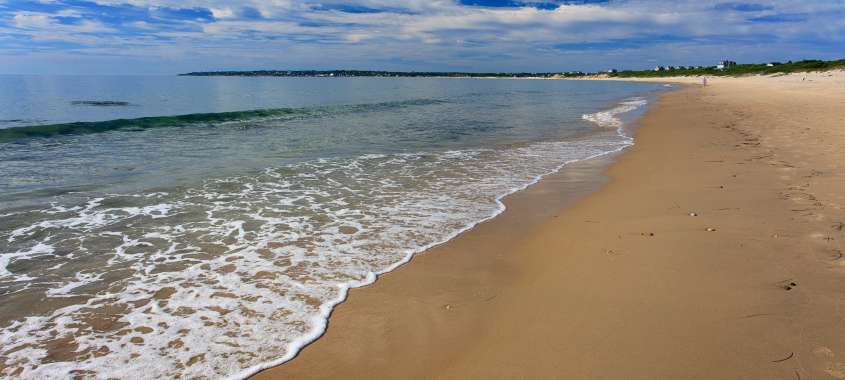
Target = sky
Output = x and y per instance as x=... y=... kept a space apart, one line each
x=170 y=36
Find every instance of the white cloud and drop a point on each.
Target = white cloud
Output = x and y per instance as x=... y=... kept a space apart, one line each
x=222 y=13
x=25 y=20
x=426 y=34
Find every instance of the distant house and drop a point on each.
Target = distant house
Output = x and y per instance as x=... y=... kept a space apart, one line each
x=659 y=68
x=773 y=64
x=725 y=65
x=612 y=71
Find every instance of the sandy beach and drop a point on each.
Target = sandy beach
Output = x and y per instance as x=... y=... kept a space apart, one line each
x=449 y=189
x=714 y=250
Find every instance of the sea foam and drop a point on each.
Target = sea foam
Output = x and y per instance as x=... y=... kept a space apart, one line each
x=609 y=118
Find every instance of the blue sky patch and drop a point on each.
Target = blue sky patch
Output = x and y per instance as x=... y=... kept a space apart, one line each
x=743 y=7
x=778 y=18
x=510 y=4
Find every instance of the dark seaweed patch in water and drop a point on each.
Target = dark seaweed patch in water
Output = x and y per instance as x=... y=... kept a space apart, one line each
x=100 y=103
x=10 y=134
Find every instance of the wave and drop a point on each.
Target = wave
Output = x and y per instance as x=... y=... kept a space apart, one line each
x=87 y=127
x=609 y=119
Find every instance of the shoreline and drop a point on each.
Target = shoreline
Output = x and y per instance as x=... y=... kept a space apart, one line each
x=570 y=183
x=627 y=296
x=588 y=177
x=594 y=165
x=575 y=181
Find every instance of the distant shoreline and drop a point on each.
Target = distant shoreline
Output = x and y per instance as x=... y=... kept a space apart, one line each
x=734 y=70
x=383 y=74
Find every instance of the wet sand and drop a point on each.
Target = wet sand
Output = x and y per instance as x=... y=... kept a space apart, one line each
x=714 y=250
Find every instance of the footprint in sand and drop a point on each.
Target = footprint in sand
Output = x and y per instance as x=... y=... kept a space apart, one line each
x=823 y=351
x=832 y=256
x=834 y=369
x=787 y=284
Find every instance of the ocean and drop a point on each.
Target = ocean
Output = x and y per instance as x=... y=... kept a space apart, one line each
x=204 y=227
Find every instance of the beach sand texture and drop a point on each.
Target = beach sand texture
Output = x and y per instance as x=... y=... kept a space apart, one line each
x=713 y=252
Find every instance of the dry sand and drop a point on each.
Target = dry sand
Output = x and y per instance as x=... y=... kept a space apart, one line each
x=626 y=283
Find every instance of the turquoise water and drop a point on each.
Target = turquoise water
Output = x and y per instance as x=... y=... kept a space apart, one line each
x=227 y=216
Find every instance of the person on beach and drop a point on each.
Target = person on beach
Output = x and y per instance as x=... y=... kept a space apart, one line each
x=704 y=81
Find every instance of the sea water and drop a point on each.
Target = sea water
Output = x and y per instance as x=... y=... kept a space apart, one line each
x=204 y=227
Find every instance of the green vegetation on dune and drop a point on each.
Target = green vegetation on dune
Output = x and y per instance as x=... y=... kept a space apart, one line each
x=739 y=70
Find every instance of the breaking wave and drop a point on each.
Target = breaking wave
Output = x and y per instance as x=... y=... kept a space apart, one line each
x=14 y=133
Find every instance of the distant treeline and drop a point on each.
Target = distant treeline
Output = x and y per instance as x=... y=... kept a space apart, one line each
x=369 y=73
x=738 y=70
x=734 y=70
